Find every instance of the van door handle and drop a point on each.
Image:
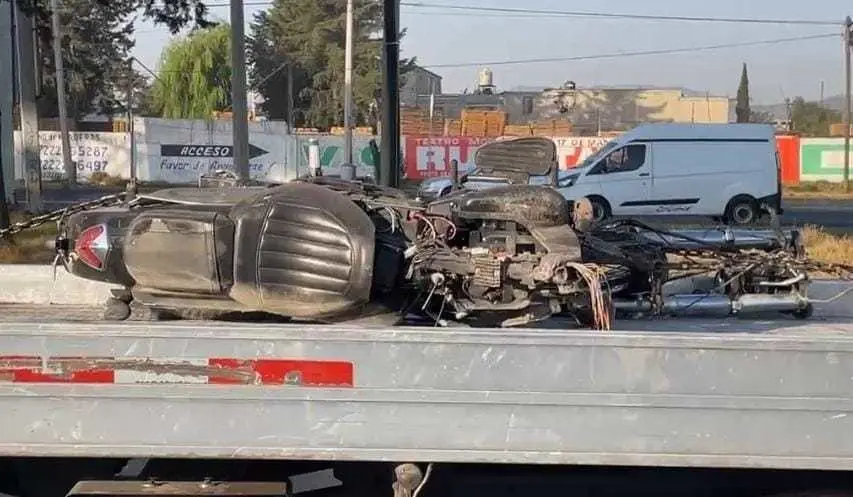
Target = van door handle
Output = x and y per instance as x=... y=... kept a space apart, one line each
x=644 y=174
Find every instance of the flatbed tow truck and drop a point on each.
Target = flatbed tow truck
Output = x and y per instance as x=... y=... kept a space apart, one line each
x=658 y=408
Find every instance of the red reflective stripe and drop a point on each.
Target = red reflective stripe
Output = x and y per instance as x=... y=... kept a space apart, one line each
x=94 y=376
x=31 y=369
x=286 y=371
x=312 y=373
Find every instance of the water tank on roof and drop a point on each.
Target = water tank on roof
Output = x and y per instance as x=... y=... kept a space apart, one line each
x=485 y=78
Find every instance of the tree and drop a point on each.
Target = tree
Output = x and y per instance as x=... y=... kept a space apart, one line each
x=97 y=36
x=761 y=117
x=175 y=14
x=195 y=75
x=310 y=34
x=742 y=108
x=811 y=118
x=96 y=41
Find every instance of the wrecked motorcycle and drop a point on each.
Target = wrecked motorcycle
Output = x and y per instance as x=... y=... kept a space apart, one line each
x=328 y=250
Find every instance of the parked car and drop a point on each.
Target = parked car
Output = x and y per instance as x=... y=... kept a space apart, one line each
x=727 y=171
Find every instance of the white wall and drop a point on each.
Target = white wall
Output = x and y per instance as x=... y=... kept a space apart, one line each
x=178 y=151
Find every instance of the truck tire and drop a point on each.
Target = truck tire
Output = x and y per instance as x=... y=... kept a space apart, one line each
x=601 y=210
x=742 y=210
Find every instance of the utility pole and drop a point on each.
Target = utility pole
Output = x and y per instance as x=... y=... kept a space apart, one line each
x=7 y=101
x=848 y=44
x=348 y=87
x=789 y=115
x=291 y=121
x=240 y=116
x=25 y=57
x=70 y=167
x=390 y=155
x=130 y=130
x=5 y=221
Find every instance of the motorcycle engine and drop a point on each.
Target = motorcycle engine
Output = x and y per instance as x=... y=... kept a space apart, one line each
x=508 y=255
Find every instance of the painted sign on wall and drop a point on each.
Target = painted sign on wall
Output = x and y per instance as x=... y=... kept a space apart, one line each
x=332 y=153
x=178 y=151
x=572 y=150
x=92 y=152
x=429 y=157
x=822 y=159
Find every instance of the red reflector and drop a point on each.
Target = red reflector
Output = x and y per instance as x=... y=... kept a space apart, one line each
x=25 y=369
x=283 y=372
x=177 y=371
x=92 y=246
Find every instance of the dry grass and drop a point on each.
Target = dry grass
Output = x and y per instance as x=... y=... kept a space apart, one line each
x=826 y=247
x=817 y=190
x=28 y=247
x=103 y=179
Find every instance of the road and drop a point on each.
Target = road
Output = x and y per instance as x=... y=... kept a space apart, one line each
x=834 y=215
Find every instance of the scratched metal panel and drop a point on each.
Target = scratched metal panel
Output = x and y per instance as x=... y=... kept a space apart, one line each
x=781 y=398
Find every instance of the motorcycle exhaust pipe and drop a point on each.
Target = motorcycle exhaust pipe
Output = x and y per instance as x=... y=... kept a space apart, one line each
x=718 y=305
x=734 y=238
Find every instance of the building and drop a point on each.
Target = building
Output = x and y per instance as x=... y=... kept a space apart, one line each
x=590 y=110
x=419 y=82
x=618 y=108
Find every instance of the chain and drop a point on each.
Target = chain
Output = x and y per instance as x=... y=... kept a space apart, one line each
x=59 y=214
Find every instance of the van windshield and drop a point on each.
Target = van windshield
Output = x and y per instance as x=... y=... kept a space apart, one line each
x=592 y=159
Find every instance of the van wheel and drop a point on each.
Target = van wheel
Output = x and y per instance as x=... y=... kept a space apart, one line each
x=742 y=210
x=600 y=209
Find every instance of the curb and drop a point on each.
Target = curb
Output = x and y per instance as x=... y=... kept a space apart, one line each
x=34 y=284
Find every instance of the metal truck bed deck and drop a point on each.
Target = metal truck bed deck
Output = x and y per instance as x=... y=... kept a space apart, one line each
x=730 y=393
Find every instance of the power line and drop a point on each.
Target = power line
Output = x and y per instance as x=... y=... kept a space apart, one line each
x=512 y=12
x=646 y=17
x=499 y=15
x=635 y=54
x=261 y=3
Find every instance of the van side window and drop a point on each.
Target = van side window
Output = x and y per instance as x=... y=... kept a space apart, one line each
x=625 y=159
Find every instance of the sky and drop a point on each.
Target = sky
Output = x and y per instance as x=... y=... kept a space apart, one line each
x=778 y=71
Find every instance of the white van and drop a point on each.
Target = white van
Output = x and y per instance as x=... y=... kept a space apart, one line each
x=727 y=171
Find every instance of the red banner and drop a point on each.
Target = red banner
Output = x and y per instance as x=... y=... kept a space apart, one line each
x=789 y=158
x=430 y=157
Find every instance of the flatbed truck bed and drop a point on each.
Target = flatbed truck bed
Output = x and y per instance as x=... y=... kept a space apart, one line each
x=777 y=395
x=771 y=394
